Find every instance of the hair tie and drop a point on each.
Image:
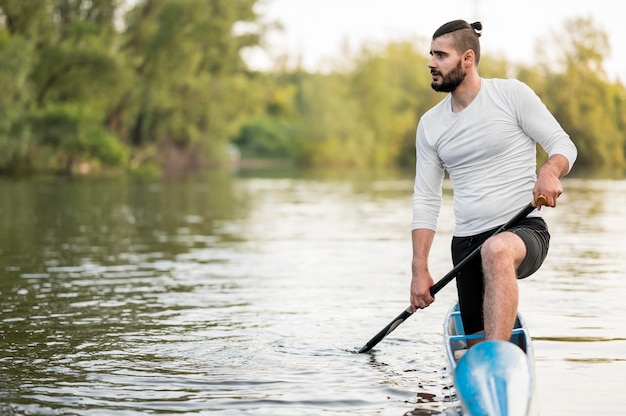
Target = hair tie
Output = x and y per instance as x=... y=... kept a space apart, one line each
x=478 y=27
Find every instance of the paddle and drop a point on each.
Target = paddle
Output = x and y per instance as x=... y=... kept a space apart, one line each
x=541 y=200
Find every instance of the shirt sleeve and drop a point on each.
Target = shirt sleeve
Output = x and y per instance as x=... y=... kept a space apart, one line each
x=538 y=123
x=429 y=173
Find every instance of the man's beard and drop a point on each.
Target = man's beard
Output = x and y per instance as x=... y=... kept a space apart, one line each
x=451 y=80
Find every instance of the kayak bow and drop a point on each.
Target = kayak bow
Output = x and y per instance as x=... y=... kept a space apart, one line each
x=493 y=378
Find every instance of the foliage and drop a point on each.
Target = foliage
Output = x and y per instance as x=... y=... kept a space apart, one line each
x=188 y=77
x=391 y=91
x=266 y=137
x=15 y=137
x=162 y=84
x=72 y=133
x=172 y=74
x=589 y=108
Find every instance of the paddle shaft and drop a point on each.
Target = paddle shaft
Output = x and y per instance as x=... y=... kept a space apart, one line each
x=517 y=218
x=541 y=200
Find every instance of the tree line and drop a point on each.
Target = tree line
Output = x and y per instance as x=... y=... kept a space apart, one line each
x=160 y=87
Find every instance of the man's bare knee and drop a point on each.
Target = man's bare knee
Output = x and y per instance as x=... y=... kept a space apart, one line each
x=503 y=247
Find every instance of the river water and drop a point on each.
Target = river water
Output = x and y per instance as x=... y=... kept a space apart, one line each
x=249 y=293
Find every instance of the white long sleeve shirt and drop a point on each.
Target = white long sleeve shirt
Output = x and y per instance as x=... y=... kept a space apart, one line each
x=489 y=152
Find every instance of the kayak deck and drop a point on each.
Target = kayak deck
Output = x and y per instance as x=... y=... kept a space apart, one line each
x=493 y=377
x=456 y=339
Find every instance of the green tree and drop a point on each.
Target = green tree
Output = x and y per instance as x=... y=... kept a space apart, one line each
x=68 y=61
x=21 y=22
x=172 y=77
x=362 y=115
x=330 y=126
x=15 y=94
x=71 y=133
x=189 y=85
x=590 y=108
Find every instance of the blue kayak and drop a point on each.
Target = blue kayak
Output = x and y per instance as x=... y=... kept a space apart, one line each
x=493 y=378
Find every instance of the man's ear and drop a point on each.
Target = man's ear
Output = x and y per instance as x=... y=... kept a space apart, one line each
x=469 y=57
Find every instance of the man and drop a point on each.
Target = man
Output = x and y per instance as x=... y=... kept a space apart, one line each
x=484 y=134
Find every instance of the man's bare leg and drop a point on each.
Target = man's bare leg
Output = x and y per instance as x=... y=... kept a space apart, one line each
x=501 y=256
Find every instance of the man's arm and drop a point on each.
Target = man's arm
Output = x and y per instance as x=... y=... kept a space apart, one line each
x=421 y=280
x=548 y=179
x=538 y=123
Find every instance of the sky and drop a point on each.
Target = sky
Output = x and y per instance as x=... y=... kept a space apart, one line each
x=316 y=31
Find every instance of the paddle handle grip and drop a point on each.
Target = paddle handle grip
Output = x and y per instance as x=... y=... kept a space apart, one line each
x=541 y=200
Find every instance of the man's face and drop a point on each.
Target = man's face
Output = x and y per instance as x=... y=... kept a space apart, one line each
x=445 y=65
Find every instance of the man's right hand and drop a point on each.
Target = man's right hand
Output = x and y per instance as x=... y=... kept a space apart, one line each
x=422 y=281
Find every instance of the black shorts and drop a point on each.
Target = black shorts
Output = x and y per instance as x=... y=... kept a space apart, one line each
x=469 y=282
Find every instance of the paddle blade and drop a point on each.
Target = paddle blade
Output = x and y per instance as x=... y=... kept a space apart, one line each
x=387 y=330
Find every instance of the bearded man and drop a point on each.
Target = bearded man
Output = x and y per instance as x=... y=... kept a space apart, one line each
x=484 y=135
